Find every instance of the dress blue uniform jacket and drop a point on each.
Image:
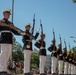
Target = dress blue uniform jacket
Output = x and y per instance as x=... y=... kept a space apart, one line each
x=6 y=37
x=42 y=51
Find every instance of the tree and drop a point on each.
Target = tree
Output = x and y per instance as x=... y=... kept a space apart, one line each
x=34 y=60
x=16 y=46
x=73 y=50
x=17 y=54
x=74 y=1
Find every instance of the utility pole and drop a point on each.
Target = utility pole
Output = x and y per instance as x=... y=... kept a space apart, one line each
x=12 y=10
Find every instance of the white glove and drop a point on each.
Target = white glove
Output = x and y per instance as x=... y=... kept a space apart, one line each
x=23 y=33
x=37 y=30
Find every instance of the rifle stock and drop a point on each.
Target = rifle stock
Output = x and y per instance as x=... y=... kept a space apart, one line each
x=13 y=27
x=10 y=26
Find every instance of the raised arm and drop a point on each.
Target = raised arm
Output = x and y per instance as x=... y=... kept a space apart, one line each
x=50 y=48
x=38 y=44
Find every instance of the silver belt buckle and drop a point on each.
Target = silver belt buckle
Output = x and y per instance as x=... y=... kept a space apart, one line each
x=42 y=48
x=29 y=40
x=28 y=46
x=53 y=51
x=60 y=54
x=69 y=59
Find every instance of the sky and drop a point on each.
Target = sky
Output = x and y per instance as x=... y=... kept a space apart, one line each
x=57 y=14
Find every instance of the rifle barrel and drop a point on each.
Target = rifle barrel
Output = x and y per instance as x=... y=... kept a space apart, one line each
x=33 y=25
x=41 y=27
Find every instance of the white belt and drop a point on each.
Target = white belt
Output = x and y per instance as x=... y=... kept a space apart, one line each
x=29 y=40
x=66 y=57
x=28 y=46
x=42 y=47
x=60 y=54
x=54 y=51
x=5 y=31
x=70 y=59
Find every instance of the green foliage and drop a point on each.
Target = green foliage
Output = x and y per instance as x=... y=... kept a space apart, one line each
x=74 y=49
x=34 y=60
x=74 y=1
x=17 y=53
x=18 y=56
x=16 y=45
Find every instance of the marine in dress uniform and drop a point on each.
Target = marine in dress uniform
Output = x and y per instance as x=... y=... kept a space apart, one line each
x=74 y=69
x=60 y=59
x=6 y=41
x=72 y=63
x=69 y=63
x=41 y=44
x=75 y=65
x=53 y=49
x=27 y=48
x=65 y=61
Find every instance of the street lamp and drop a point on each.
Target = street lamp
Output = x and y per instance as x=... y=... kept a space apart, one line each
x=74 y=41
x=72 y=37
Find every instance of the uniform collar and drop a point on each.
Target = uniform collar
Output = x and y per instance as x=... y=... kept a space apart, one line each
x=27 y=30
x=5 y=19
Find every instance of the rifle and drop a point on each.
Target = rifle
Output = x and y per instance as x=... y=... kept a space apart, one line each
x=41 y=32
x=54 y=38
x=10 y=26
x=65 y=49
x=33 y=25
x=69 y=49
x=60 y=43
x=65 y=45
x=13 y=27
x=41 y=27
x=70 y=53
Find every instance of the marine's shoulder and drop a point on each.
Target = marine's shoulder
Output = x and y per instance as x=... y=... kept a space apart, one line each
x=1 y=20
x=39 y=40
x=11 y=22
